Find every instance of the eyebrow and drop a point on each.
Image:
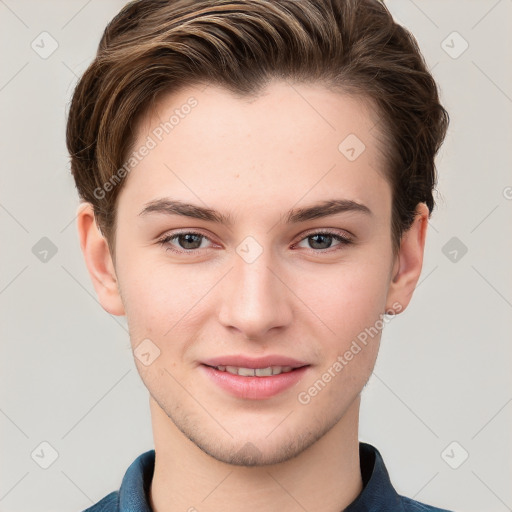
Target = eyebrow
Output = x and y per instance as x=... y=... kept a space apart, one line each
x=295 y=215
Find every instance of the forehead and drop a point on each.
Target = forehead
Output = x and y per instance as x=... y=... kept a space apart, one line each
x=288 y=142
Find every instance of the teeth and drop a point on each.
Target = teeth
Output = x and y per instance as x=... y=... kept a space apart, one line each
x=246 y=372
x=255 y=372
x=263 y=372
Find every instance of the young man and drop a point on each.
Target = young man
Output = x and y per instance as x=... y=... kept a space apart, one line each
x=256 y=179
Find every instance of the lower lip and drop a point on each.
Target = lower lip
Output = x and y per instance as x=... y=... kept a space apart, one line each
x=254 y=388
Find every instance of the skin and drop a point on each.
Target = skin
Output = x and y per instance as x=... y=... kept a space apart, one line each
x=255 y=159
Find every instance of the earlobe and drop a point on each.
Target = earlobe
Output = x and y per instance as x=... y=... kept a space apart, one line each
x=98 y=261
x=409 y=262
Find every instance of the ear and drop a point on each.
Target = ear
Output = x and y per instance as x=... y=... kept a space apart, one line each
x=98 y=260
x=408 y=263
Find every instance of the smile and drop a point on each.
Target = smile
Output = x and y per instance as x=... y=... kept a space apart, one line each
x=254 y=372
x=254 y=383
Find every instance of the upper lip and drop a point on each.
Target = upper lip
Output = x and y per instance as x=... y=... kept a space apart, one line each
x=241 y=361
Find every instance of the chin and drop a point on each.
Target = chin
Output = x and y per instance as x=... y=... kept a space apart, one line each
x=259 y=449
x=250 y=455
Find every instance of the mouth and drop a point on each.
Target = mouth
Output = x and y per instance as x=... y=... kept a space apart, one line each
x=254 y=379
x=255 y=372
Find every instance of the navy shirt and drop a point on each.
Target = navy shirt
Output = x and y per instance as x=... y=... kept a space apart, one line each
x=378 y=495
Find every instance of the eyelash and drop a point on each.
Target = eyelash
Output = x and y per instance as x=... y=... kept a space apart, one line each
x=343 y=241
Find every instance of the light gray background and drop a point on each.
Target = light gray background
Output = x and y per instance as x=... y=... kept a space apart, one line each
x=443 y=373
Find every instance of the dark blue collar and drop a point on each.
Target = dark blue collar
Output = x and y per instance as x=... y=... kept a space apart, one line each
x=378 y=494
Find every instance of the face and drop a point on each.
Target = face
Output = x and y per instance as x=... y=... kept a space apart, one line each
x=259 y=279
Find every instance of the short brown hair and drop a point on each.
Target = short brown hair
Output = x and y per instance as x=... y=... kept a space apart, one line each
x=154 y=47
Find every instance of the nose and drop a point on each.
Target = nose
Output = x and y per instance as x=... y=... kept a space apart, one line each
x=255 y=298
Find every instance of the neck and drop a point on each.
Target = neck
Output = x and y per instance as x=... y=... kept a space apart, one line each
x=326 y=477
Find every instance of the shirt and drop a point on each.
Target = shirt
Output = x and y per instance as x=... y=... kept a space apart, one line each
x=377 y=495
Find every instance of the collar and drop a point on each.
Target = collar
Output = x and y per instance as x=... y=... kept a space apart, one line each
x=378 y=494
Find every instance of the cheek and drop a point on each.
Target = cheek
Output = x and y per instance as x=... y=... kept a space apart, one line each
x=352 y=310
x=158 y=296
x=162 y=299
x=346 y=300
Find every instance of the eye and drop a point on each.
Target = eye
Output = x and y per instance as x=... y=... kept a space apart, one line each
x=320 y=241
x=188 y=241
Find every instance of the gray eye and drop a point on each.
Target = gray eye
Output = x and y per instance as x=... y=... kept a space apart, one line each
x=320 y=241
x=189 y=240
